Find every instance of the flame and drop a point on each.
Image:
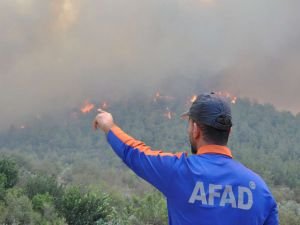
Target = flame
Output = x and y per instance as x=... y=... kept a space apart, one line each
x=233 y=99
x=23 y=127
x=87 y=107
x=158 y=97
x=168 y=114
x=193 y=99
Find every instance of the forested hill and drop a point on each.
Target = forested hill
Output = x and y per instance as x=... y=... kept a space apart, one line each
x=65 y=147
x=263 y=138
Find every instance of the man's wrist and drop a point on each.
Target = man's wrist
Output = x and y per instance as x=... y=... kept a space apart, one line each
x=108 y=128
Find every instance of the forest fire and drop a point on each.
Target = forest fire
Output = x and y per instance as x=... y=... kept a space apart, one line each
x=158 y=97
x=87 y=107
x=193 y=98
x=168 y=114
x=230 y=97
x=233 y=99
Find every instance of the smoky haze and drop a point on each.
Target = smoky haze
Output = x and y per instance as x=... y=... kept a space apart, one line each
x=57 y=53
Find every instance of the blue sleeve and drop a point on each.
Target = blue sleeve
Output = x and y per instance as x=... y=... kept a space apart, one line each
x=155 y=167
x=272 y=218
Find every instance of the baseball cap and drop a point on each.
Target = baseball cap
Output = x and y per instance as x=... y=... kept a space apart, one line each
x=212 y=110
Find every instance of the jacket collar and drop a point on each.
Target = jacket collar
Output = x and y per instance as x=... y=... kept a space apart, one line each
x=215 y=149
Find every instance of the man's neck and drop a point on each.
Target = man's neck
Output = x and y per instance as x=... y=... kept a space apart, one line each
x=214 y=149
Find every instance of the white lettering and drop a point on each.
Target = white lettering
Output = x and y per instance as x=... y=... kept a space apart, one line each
x=228 y=197
x=196 y=196
x=212 y=188
x=242 y=191
x=243 y=199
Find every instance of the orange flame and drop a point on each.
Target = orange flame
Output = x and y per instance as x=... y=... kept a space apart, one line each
x=168 y=114
x=87 y=107
x=158 y=97
x=193 y=99
x=233 y=99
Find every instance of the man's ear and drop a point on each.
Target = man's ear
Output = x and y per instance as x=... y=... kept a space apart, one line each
x=196 y=131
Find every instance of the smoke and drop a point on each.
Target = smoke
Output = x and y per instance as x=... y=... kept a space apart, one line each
x=57 y=53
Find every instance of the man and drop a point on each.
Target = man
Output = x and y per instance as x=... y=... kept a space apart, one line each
x=208 y=187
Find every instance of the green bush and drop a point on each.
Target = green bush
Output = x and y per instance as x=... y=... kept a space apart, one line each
x=18 y=208
x=9 y=170
x=148 y=210
x=3 y=181
x=40 y=200
x=43 y=185
x=85 y=208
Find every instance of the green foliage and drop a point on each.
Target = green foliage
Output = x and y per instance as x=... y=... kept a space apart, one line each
x=9 y=170
x=39 y=201
x=18 y=208
x=43 y=185
x=85 y=208
x=289 y=213
x=3 y=212
x=151 y=209
x=44 y=204
x=3 y=181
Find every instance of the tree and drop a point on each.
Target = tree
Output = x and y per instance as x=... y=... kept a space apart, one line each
x=44 y=204
x=3 y=181
x=43 y=185
x=18 y=208
x=9 y=170
x=85 y=208
x=149 y=210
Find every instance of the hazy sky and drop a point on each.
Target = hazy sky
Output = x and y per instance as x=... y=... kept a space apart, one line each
x=56 y=53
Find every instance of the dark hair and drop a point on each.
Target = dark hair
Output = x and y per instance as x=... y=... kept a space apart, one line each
x=214 y=136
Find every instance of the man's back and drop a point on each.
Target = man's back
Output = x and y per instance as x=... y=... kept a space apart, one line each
x=212 y=189
x=207 y=188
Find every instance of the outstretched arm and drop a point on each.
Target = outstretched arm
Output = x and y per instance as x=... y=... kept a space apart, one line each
x=155 y=167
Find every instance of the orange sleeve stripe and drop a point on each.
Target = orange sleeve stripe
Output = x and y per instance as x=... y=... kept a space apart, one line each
x=139 y=145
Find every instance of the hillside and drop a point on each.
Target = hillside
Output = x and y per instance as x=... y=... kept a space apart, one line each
x=66 y=147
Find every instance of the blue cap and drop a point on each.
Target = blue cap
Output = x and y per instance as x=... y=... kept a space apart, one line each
x=212 y=110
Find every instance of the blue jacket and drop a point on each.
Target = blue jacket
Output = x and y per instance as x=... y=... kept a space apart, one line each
x=208 y=188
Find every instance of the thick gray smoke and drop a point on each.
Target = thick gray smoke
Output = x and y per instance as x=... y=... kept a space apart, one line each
x=57 y=53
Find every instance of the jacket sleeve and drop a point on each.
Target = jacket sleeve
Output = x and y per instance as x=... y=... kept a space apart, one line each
x=155 y=167
x=272 y=218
